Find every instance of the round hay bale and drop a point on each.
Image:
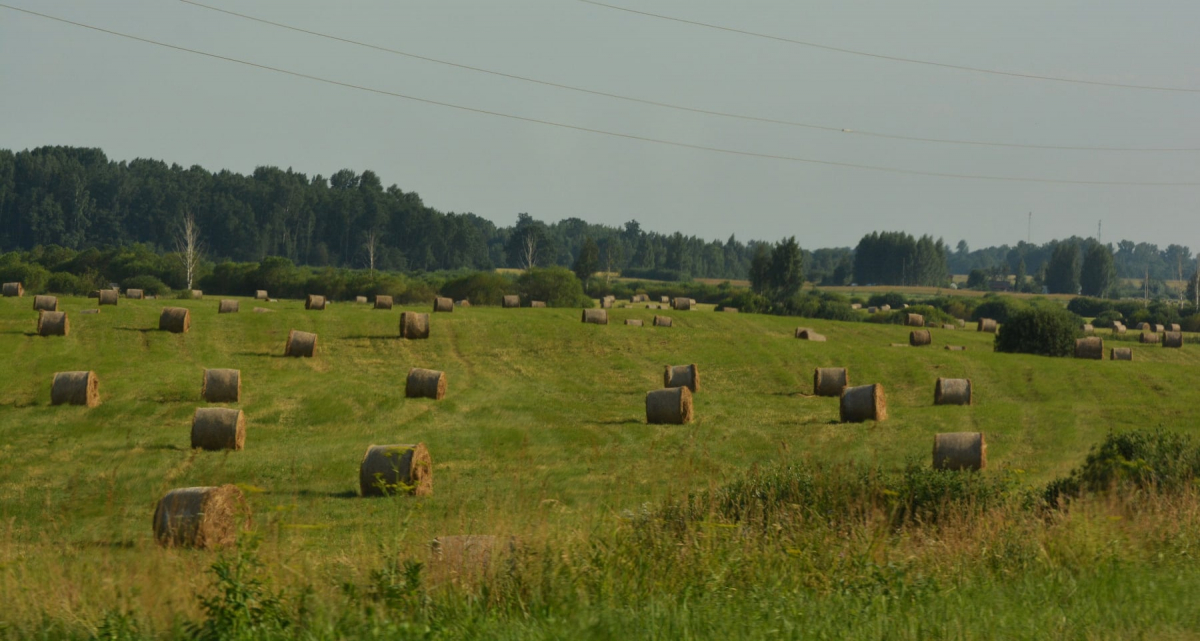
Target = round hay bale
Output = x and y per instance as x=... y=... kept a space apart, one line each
x=300 y=344
x=634 y=322
x=952 y=391
x=830 y=381
x=920 y=338
x=682 y=376
x=872 y=310
x=222 y=386
x=986 y=325
x=1159 y=328
x=383 y=302
x=1119 y=328
x=949 y=326
x=664 y=300
x=227 y=306
x=361 y=300
x=537 y=303
x=914 y=320
x=670 y=406
x=200 y=517
x=75 y=388
x=682 y=304
x=135 y=294
x=177 y=320
x=1087 y=328
x=595 y=316
x=396 y=469
x=605 y=303
x=956 y=348
x=885 y=308
x=262 y=310
x=218 y=428
x=442 y=304
x=729 y=310
x=1169 y=339
x=511 y=300
x=414 y=325
x=1148 y=338
x=12 y=290
x=806 y=334
x=959 y=451
x=1121 y=354
x=863 y=403
x=1174 y=327
x=425 y=383
x=1145 y=327
x=197 y=294
x=261 y=294
x=43 y=303
x=855 y=305
x=53 y=324
x=107 y=296
x=463 y=303
x=315 y=302
x=1091 y=347
x=662 y=321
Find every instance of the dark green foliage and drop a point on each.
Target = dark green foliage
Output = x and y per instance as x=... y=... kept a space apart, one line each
x=1088 y=307
x=977 y=279
x=748 y=302
x=900 y=317
x=1042 y=330
x=1062 y=272
x=786 y=273
x=481 y=288
x=243 y=606
x=1098 y=276
x=1146 y=460
x=895 y=299
x=897 y=258
x=1106 y=319
x=149 y=284
x=557 y=286
x=997 y=308
x=1190 y=323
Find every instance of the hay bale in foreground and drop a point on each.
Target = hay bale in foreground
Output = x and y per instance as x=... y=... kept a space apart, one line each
x=12 y=290
x=382 y=302
x=595 y=316
x=222 y=386
x=1148 y=338
x=300 y=344
x=425 y=383
x=682 y=304
x=107 y=296
x=443 y=304
x=537 y=303
x=920 y=338
x=952 y=391
x=806 y=334
x=986 y=325
x=53 y=324
x=682 y=376
x=511 y=301
x=1121 y=354
x=261 y=294
x=218 y=428
x=956 y=348
x=662 y=321
x=1172 y=339
x=315 y=302
x=396 y=469
x=1091 y=347
x=177 y=320
x=670 y=406
x=914 y=320
x=75 y=388
x=830 y=381
x=200 y=517
x=414 y=325
x=863 y=403
x=42 y=303
x=228 y=306
x=135 y=294
x=959 y=451
x=634 y=322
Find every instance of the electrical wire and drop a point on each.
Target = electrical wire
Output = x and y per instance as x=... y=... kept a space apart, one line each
x=655 y=103
x=880 y=56
x=549 y=123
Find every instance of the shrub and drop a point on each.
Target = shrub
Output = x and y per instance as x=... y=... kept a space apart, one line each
x=149 y=284
x=1154 y=460
x=895 y=299
x=557 y=286
x=1128 y=308
x=1106 y=319
x=481 y=288
x=32 y=276
x=1046 y=331
x=1088 y=307
x=1190 y=323
x=997 y=308
x=748 y=301
x=64 y=283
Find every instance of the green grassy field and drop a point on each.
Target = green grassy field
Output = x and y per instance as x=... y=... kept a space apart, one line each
x=542 y=436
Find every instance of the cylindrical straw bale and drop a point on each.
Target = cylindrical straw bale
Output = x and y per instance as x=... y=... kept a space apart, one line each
x=108 y=296
x=300 y=344
x=227 y=306
x=463 y=303
x=361 y=300
x=414 y=325
x=53 y=324
x=200 y=517
x=683 y=304
x=664 y=300
x=959 y=451
x=1145 y=327
x=863 y=403
x=595 y=316
x=633 y=321
x=222 y=386
x=949 y=326
x=682 y=376
x=45 y=303
x=920 y=338
x=425 y=383
x=1091 y=347
x=830 y=381
x=177 y=320
x=1159 y=328
x=396 y=469
x=730 y=310
x=511 y=300
x=75 y=388
x=197 y=294
x=956 y=348
x=315 y=302
x=537 y=303
x=443 y=304
x=1119 y=328
x=1087 y=328
x=914 y=320
x=806 y=334
x=218 y=428
x=952 y=391
x=1149 y=338
x=672 y=406
x=261 y=294
x=1174 y=327
x=1121 y=354
x=135 y=294
x=13 y=290
x=885 y=308
x=383 y=302
x=1169 y=339
x=606 y=303
x=986 y=325
x=856 y=306
x=662 y=321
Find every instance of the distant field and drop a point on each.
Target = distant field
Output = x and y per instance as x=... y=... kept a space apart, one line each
x=542 y=435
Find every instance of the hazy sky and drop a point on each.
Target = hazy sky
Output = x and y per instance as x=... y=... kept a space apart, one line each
x=60 y=84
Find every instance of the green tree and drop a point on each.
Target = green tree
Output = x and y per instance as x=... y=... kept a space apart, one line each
x=587 y=262
x=760 y=269
x=1098 y=275
x=786 y=275
x=1020 y=283
x=1062 y=272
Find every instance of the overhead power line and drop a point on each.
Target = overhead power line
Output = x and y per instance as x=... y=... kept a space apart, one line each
x=602 y=132
x=698 y=110
x=880 y=56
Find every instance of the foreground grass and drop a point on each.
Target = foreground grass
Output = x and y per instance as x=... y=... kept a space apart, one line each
x=542 y=436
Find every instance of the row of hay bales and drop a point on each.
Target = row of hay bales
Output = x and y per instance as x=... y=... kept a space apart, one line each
x=1092 y=347
x=600 y=317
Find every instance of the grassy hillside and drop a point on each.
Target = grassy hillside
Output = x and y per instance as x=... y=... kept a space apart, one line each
x=542 y=435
